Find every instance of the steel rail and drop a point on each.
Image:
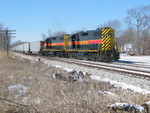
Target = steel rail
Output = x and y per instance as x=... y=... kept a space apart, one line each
x=139 y=73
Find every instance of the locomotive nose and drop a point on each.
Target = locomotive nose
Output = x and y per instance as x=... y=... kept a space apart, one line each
x=107 y=39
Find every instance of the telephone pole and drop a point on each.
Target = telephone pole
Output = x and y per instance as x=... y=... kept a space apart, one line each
x=7 y=34
x=8 y=37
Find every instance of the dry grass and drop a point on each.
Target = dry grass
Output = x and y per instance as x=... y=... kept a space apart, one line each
x=2 y=54
x=49 y=95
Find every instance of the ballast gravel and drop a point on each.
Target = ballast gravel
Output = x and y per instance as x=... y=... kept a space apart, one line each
x=128 y=80
x=134 y=83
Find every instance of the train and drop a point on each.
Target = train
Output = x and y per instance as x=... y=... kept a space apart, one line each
x=96 y=45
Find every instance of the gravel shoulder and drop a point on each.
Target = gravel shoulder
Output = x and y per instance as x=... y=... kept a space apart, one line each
x=103 y=74
x=126 y=81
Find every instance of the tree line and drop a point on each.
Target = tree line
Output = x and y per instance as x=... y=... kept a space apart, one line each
x=2 y=37
x=137 y=32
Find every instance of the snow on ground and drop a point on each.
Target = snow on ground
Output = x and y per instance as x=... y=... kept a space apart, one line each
x=117 y=79
x=128 y=107
x=107 y=93
x=126 y=82
x=19 y=89
x=135 y=59
x=148 y=103
x=123 y=85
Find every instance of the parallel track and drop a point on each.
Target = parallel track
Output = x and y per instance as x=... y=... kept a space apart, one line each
x=127 y=71
x=132 y=64
x=101 y=65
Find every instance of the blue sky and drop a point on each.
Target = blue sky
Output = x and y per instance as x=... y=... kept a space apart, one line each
x=31 y=18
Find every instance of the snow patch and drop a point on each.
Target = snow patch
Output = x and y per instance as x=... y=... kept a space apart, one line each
x=24 y=99
x=107 y=93
x=68 y=70
x=57 y=66
x=20 y=89
x=123 y=85
x=10 y=77
x=148 y=103
x=127 y=107
x=38 y=100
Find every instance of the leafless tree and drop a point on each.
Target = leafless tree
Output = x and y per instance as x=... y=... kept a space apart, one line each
x=127 y=37
x=59 y=33
x=49 y=33
x=2 y=37
x=115 y=24
x=43 y=36
x=17 y=43
x=77 y=31
x=145 y=42
x=138 y=19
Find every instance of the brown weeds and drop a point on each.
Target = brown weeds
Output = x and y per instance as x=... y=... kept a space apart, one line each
x=48 y=95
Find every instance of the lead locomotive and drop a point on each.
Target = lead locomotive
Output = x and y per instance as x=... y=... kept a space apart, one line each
x=96 y=44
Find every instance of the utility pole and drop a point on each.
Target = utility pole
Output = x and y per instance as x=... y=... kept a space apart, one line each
x=6 y=41
x=8 y=36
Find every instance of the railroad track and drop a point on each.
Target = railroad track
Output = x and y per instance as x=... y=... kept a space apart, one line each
x=129 y=63
x=106 y=66
x=122 y=66
x=99 y=65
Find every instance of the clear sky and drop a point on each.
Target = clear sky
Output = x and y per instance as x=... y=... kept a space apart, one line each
x=31 y=18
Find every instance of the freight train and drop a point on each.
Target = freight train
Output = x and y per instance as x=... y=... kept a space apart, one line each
x=97 y=45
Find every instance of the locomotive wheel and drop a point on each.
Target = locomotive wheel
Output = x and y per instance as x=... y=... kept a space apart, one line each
x=70 y=55
x=60 y=54
x=93 y=56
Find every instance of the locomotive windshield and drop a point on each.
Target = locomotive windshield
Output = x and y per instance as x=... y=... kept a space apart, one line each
x=111 y=34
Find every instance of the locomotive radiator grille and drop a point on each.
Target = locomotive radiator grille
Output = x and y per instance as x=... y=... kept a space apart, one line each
x=107 y=39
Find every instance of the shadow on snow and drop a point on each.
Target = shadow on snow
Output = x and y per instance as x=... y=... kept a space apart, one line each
x=127 y=62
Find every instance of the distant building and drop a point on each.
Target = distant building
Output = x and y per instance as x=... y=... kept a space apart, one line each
x=128 y=48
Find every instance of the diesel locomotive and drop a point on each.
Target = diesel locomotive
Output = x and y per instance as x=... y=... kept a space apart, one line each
x=97 y=45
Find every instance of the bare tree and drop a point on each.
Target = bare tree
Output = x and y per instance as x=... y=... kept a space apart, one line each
x=2 y=37
x=59 y=33
x=1 y=26
x=43 y=36
x=115 y=24
x=77 y=31
x=145 y=42
x=126 y=36
x=49 y=33
x=139 y=19
x=17 y=43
